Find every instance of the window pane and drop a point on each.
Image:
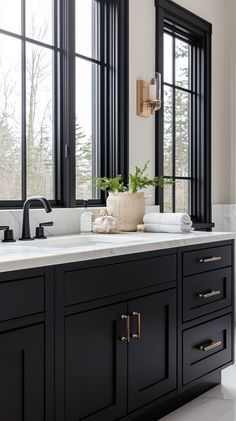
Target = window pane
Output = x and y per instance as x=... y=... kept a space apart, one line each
x=183 y=64
x=168 y=198
x=182 y=196
x=39 y=20
x=183 y=133
x=10 y=118
x=168 y=58
x=39 y=102
x=88 y=28
x=87 y=128
x=168 y=131
x=10 y=15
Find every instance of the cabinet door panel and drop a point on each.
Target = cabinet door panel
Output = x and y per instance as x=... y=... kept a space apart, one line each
x=22 y=374
x=96 y=365
x=152 y=358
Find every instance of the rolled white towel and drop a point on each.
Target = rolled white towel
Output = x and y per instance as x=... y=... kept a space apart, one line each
x=167 y=218
x=168 y=228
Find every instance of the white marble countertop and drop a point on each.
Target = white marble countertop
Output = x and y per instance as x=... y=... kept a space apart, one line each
x=76 y=248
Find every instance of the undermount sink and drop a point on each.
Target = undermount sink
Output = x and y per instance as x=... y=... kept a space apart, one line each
x=80 y=241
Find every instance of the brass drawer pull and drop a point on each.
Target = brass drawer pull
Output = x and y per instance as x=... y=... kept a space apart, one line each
x=210 y=259
x=213 y=345
x=209 y=294
x=138 y=317
x=127 y=326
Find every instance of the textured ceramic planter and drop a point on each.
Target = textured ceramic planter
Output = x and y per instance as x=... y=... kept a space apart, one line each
x=128 y=208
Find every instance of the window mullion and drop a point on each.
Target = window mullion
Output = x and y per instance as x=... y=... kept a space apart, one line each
x=104 y=51
x=193 y=130
x=68 y=103
x=174 y=129
x=103 y=97
x=111 y=93
x=97 y=34
x=56 y=107
x=23 y=105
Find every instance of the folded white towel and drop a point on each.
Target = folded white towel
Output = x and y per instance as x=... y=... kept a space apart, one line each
x=167 y=218
x=168 y=228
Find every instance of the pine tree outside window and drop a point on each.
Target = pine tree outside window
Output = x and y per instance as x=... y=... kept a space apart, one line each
x=179 y=97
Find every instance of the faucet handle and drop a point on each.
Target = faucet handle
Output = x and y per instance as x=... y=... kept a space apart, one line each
x=39 y=233
x=8 y=234
x=46 y=224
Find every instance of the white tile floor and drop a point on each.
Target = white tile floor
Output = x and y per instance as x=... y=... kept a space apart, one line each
x=218 y=404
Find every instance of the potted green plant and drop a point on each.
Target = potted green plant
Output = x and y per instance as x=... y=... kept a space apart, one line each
x=127 y=204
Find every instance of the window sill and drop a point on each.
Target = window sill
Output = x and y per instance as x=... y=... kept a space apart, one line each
x=201 y=226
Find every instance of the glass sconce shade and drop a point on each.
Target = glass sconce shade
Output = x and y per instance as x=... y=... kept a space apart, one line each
x=155 y=88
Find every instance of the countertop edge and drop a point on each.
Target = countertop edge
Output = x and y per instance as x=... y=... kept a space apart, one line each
x=117 y=250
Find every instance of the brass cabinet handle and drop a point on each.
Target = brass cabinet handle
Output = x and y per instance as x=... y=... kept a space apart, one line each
x=214 y=344
x=127 y=326
x=138 y=317
x=209 y=294
x=210 y=259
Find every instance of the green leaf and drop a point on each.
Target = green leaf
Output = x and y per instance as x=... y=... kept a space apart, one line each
x=137 y=181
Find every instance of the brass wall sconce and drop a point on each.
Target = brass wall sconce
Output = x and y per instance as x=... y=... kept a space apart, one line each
x=149 y=96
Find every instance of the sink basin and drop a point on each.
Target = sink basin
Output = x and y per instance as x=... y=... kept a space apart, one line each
x=78 y=241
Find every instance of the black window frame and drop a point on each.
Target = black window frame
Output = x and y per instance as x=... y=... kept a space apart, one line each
x=114 y=132
x=186 y=24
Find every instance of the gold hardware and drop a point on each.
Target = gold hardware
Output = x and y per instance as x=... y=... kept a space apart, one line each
x=214 y=344
x=146 y=104
x=127 y=325
x=138 y=317
x=209 y=294
x=210 y=259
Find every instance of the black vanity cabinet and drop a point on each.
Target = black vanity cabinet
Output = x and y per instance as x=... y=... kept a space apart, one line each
x=104 y=347
x=22 y=374
x=120 y=351
x=95 y=365
x=152 y=355
x=139 y=335
x=26 y=354
x=207 y=310
x=120 y=338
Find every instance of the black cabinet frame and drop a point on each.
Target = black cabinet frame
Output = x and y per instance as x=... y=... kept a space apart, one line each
x=146 y=297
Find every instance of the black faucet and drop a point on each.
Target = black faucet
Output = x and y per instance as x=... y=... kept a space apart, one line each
x=26 y=225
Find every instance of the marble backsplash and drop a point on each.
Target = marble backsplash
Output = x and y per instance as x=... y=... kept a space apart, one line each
x=66 y=221
x=224 y=217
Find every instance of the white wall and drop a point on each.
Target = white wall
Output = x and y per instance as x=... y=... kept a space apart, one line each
x=142 y=57
x=230 y=68
x=142 y=66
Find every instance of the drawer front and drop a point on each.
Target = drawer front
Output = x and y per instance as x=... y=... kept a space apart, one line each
x=206 y=293
x=21 y=297
x=206 y=259
x=206 y=348
x=97 y=282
